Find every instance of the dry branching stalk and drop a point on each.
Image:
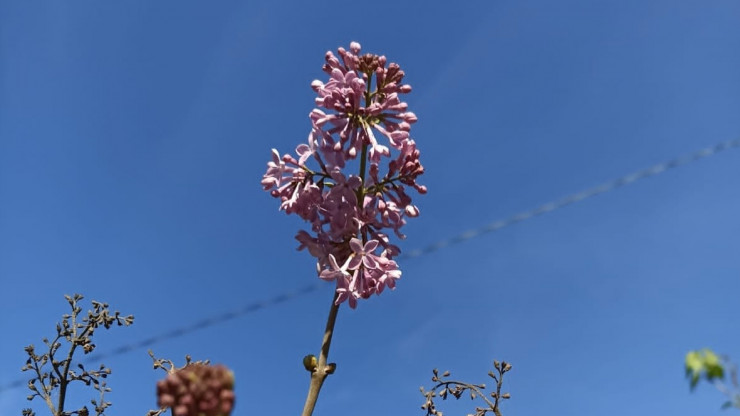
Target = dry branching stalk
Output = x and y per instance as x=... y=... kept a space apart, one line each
x=53 y=375
x=445 y=388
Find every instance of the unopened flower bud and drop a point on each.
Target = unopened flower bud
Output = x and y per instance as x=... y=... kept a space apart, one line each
x=330 y=368
x=310 y=362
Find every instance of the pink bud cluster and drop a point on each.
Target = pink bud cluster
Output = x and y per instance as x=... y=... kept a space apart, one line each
x=350 y=214
x=198 y=390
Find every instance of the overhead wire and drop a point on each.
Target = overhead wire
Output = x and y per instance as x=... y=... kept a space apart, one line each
x=441 y=244
x=576 y=197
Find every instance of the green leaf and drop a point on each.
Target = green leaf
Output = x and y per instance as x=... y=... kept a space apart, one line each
x=710 y=358
x=713 y=365
x=694 y=380
x=694 y=366
x=694 y=362
x=715 y=372
x=704 y=363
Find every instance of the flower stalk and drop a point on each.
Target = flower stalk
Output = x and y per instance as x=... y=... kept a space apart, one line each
x=350 y=213
x=322 y=369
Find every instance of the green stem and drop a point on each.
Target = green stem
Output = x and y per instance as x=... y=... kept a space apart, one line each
x=363 y=156
x=363 y=167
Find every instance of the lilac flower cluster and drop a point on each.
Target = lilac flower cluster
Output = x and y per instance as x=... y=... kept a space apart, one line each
x=349 y=214
x=198 y=390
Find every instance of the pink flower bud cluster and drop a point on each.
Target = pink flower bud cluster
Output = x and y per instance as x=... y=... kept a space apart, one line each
x=350 y=214
x=198 y=390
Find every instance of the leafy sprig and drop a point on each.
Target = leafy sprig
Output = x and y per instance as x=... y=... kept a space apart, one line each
x=715 y=369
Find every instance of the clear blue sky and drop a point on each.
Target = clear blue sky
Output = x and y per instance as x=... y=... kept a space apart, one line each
x=134 y=134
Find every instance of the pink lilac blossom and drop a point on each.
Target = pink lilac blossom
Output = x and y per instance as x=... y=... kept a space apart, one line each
x=359 y=115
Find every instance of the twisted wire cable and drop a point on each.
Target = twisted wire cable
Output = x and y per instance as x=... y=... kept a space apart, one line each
x=577 y=197
x=439 y=245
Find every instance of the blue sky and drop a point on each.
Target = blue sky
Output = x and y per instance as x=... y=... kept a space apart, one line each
x=133 y=136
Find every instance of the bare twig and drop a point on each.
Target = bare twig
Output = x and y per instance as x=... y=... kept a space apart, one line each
x=320 y=369
x=456 y=388
x=75 y=332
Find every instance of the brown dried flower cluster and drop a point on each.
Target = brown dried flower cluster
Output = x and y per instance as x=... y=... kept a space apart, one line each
x=198 y=390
